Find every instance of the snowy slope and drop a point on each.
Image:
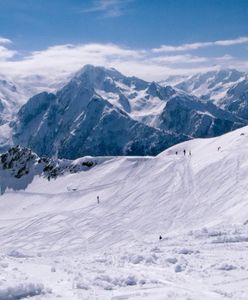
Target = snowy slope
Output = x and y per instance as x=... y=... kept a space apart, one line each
x=55 y=236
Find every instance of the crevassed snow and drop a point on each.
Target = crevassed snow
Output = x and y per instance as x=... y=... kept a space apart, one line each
x=80 y=249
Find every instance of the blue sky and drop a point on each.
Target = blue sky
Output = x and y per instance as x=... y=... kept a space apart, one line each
x=155 y=31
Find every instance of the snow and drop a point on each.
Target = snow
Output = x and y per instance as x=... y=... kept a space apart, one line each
x=21 y=291
x=6 y=136
x=141 y=103
x=60 y=243
x=76 y=121
x=212 y=85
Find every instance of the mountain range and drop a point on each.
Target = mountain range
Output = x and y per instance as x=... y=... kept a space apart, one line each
x=227 y=88
x=100 y=111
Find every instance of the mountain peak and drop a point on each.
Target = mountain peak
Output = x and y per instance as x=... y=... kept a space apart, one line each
x=93 y=71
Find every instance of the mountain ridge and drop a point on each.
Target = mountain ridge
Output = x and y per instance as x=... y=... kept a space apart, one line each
x=103 y=112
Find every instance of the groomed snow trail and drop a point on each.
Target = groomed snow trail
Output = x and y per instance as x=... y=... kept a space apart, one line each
x=61 y=243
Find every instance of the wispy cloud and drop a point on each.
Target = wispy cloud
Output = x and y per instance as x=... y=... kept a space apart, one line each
x=5 y=52
x=199 y=45
x=110 y=8
x=225 y=58
x=60 y=61
x=179 y=59
x=4 y=41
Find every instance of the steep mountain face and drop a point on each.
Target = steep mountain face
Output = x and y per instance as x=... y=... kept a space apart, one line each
x=142 y=100
x=236 y=100
x=102 y=112
x=95 y=114
x=104 y=129
x=75 y=122
x=210 y=85
x=196 y=118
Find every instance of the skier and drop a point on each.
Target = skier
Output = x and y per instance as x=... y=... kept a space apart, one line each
x=189 y=153
x=160 y=237
x=98 y=200
x=184 y=152
x=176 y=152
x=219 y=148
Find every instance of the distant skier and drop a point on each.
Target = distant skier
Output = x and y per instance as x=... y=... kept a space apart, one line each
x=160 y=237
x=219 y=148
x=176 y=152
x=98 y=200
x=189 y=153
x=184 y=152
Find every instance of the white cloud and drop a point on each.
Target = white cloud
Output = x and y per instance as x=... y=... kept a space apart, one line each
x=240 y=40
x=225 y=57
x=176 y=59
x=5 y=53
x=58 y=62
x=199 y=45
x=4 y=41
x=111 y=8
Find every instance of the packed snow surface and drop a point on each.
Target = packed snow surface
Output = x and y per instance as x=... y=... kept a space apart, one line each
x=57 y=241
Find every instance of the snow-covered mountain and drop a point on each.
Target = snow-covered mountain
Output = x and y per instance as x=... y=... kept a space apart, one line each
x=142 y=100
x=75 y=122
x=236 y=100
x=14 y=92
x=210 y=85
x=102 y=112
x=58 y=242
x=11 y=96
x=19 y=166
x=196 y=118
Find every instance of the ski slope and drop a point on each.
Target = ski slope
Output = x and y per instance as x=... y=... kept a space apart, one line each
x=57 y=241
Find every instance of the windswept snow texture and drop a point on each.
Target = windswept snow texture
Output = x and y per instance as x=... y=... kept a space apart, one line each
x=56 y=236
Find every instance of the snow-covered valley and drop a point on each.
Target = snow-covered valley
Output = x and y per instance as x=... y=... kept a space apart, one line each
x=57 y=241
